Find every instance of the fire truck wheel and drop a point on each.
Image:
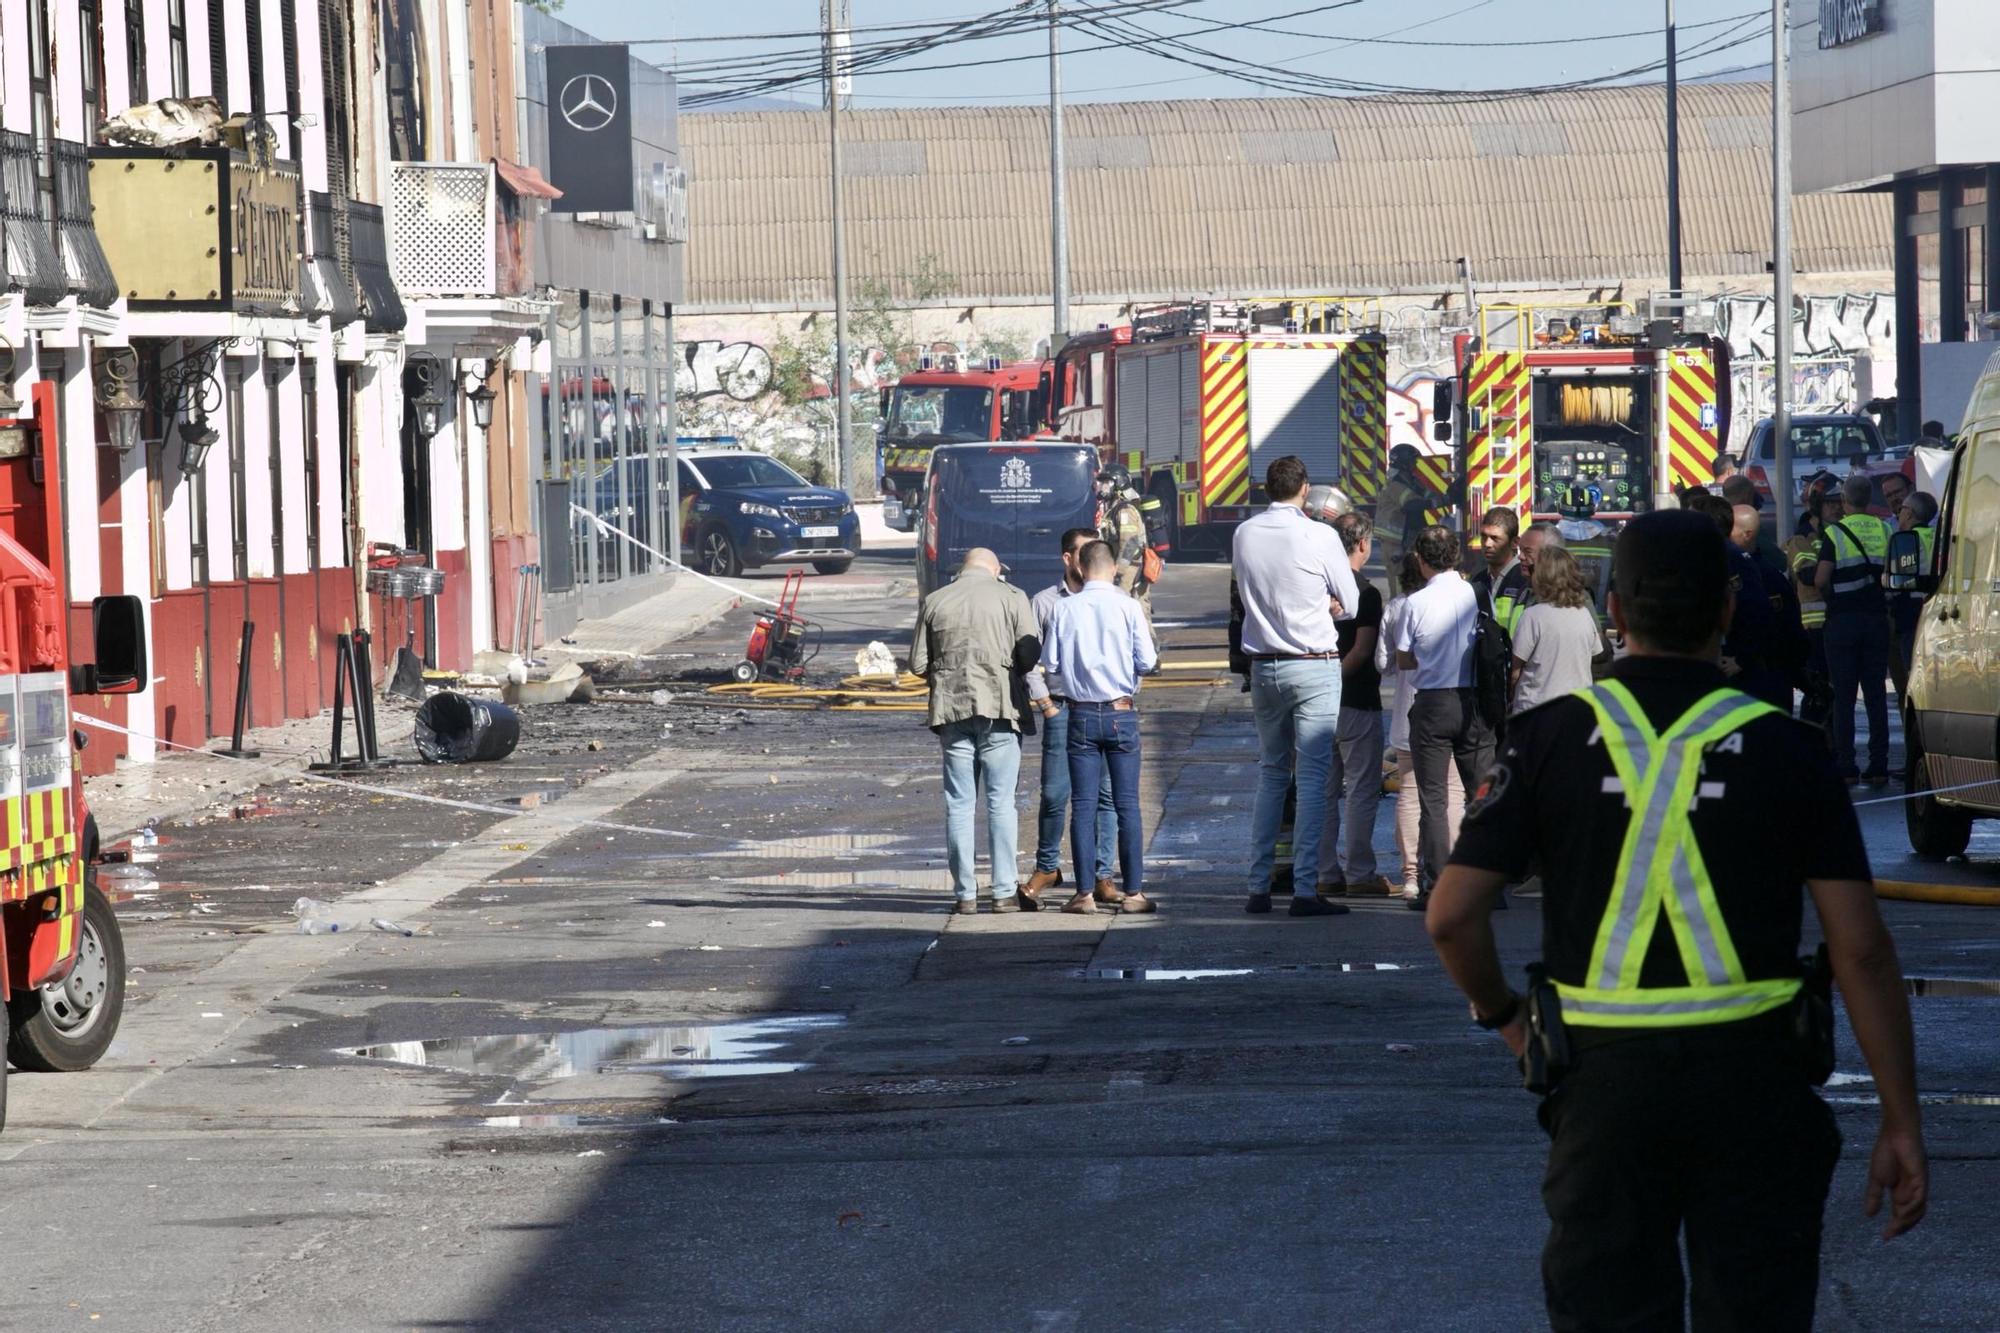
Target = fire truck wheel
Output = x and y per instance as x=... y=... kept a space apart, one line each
x=67 y=1026
x=718 y=555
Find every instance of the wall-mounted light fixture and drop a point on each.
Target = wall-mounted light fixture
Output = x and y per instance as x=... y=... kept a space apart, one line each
x=479 y=397
x=118 y=399
x=425 y=375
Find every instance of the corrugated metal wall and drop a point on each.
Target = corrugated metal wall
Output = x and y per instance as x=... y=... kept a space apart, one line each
x=1255 y=196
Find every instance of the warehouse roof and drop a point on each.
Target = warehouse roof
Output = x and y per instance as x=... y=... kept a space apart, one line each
x=1260 y=196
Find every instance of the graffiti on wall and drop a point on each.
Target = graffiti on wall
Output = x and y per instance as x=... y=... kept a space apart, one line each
x=738 y=371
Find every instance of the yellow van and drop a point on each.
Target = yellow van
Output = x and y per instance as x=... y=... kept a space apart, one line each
x=1951 y=718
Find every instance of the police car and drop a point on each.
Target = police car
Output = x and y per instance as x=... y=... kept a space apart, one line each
x=742 y=509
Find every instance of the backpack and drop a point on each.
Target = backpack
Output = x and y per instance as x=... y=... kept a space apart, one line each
x=1492 y=664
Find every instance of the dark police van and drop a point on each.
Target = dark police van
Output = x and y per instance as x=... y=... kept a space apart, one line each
x=1015 y=498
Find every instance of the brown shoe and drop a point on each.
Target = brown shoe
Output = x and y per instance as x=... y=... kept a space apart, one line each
x=1379 y=887
x=1011 y=903
x=1042 y=880
x=1137 y=904
x=1081 y=905
x=966 y=907
x=1109 y=893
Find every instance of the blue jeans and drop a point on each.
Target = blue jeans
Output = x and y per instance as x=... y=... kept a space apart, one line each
x=1297 y=705
x=1055 y=803
x=979 y=752
x=1104 y=738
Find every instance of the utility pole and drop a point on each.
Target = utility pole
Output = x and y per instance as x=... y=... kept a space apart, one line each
x=1673 y=156
x=1058 y=199
x=1781 y=264
x=835 y=18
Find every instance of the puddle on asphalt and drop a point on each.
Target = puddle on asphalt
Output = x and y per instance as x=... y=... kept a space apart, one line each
x=824 y=844
x=711 y=1050
x=1952 y=986
x=1923 y=1099
x=848 y=879
x=1206 y=973
x=533 y=800
x=572 y=1121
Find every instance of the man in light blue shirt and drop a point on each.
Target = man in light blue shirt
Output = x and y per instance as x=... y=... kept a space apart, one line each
x=1099 y=645
x=1051 y=699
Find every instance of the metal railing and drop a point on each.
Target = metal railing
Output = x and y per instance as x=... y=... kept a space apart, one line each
x=1508 y=327
x=28 y=260
x=332 y=258
x=85 y=269
x=381 y=305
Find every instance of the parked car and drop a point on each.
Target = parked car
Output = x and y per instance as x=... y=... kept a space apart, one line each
x=745 y=509
x=1017 y=499
x=1830 y=444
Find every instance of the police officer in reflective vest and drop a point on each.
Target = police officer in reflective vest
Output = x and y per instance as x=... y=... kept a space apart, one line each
x=1916 y=512
x=1852 y=552
x=1671 y=1026
x=1505 y=578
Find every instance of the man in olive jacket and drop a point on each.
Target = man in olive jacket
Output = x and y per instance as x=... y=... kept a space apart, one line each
x=976 y=641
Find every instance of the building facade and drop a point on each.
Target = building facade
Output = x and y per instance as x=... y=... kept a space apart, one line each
x=297 y=240
x=1894 y=98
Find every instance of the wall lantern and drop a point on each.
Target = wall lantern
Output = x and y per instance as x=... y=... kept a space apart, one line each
x=10 y=406
x=196 y=436
x=428 y=402
x=118 y=376
x=480 y=396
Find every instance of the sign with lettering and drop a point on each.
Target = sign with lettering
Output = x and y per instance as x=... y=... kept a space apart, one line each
x=1844 y=21
x=264 y=274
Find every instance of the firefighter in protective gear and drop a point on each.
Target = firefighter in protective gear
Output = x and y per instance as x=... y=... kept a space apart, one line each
x=1671 y=1026
x=1399 y=508
x=1122 y=526
x=1802 y=558
x=1852 y=553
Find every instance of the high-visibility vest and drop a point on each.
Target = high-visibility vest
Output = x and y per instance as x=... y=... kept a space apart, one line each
x=1661 y=875
x=1390 y=507
x=1804 y=558
x=1860 y=548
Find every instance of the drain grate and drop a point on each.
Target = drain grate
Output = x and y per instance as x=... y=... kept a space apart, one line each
x=1952 y=986
x=917 y=1087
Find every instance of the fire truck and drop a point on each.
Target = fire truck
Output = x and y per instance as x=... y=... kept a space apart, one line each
x=1198 y=398
x=944 y=402
x=1584 y=414
x=64 y=962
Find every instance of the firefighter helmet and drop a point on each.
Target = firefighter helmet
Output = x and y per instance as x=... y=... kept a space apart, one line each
x=1326 y=503
x=1118 y=475
x=1404 y=456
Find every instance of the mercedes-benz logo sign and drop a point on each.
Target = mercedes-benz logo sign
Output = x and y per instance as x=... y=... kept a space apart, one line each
x=588 y=102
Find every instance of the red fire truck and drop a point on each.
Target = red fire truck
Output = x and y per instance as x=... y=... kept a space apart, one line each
x=943 y=402
x=1585 y=413
x=64 y=963
x=1197 y=398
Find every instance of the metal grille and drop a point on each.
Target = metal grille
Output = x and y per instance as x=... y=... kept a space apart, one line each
x=380 y=304
x=28 y=263
x=441 y=227
x=797 y=514
x=333 y=280
x=85 y=269
x=558 y=550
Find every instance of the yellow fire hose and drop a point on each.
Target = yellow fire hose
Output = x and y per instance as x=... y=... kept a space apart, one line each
x=1963 y=895
x=904 y=693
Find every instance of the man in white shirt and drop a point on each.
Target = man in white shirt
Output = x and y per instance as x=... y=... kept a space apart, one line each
x=1434 y=642
x=1294 y=580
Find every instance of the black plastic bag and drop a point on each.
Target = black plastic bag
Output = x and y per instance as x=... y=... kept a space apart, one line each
x=452 y=729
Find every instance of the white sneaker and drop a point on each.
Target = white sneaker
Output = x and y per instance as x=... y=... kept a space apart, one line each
x=1410 y=890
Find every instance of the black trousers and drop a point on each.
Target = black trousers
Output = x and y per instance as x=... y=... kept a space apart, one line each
x=1664 y=1135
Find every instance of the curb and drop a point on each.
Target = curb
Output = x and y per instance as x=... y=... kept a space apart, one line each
x=1963 y=895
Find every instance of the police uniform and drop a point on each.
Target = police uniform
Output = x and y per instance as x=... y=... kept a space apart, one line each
x=1857 y=639
x=1671 y=925
x=1904 y=609
x=1802 y=554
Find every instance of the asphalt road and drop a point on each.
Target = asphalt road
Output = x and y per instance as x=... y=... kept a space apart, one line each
x=722 y=1060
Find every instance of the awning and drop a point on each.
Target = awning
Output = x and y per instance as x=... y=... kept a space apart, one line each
x=525 y=180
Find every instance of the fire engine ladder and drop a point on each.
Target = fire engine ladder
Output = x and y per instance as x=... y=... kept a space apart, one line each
x=1184 y=317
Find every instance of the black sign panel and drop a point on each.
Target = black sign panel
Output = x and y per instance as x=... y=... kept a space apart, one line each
x=1844 y=21
x=590 y=128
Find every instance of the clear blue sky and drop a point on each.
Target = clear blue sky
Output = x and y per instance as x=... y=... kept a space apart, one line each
x=1319 y=43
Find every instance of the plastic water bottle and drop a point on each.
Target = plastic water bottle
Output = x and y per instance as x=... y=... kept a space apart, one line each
x=315 y=917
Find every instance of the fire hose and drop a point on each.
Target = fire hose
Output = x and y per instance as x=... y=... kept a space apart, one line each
x=904 y=693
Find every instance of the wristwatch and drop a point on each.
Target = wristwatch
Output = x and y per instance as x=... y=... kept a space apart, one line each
x=1507 y=1014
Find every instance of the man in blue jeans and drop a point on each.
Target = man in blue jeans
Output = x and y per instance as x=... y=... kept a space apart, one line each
x=1051 y=699
x=1295 y=581
x=1099 y=645
x=976 y=641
